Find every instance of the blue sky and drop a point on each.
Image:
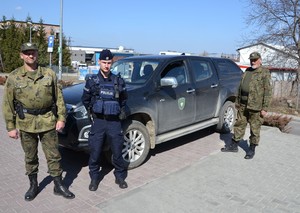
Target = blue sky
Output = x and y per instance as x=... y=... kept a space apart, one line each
x=192 y=26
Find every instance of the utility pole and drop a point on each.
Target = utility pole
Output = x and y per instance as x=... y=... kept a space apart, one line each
x=298 y=71
x=60 y=42
x=30 y=28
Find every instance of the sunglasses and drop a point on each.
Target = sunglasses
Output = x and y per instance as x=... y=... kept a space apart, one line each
x=29 y=52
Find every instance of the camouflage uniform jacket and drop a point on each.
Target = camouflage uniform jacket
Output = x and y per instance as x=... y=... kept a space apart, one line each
x=260 y=89
x=33 y=94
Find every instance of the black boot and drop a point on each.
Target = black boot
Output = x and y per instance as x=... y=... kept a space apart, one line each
x=60 y=189
x=33 y=190
x=251 y=152
x=94 y=184
x=122 y=183
x=232 y=147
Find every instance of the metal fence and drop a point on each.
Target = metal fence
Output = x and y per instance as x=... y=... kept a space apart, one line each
x=67 y=73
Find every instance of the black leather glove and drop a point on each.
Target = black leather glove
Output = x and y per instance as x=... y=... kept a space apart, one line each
x=90 y=115
x=123 y=114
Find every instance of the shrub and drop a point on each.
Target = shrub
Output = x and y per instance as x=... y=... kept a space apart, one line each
x=278 y=120
x=3 y=80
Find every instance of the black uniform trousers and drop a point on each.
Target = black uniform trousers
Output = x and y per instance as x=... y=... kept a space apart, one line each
x=111 y=129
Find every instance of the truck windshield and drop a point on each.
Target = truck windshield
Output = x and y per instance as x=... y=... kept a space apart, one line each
x=135 y=71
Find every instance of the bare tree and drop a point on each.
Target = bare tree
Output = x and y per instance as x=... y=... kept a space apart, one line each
x=277 y=22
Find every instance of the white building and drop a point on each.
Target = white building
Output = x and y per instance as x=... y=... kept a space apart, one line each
x=272 y=56
x=283 y=66
x=90 y=55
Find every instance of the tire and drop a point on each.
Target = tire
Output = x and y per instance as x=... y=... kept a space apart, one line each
x=227 y=118
x=136 y=144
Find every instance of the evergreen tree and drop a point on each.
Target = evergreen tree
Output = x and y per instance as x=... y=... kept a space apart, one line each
x=2 y=37
x=13 y=35
x=10 y=46
x=66 y=55
x=41 y=39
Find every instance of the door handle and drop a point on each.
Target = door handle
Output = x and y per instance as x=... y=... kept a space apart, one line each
x=214 y=85
x=190 y=90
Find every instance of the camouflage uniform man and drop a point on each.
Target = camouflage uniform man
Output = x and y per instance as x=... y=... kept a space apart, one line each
x=33 y=109
x=254 y=97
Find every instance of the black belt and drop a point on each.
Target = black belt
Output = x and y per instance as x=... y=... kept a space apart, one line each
x=37 y=111
x=106 y=117
x=243 y=93
x=243 y=102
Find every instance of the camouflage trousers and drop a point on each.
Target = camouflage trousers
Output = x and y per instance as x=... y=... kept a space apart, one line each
x=49 y=142
x=245 y=116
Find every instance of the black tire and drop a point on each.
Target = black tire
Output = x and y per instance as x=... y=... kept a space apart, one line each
x=136 y=144
x=227 y=118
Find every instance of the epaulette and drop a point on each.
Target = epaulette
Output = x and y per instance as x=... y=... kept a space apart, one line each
x=93 y=77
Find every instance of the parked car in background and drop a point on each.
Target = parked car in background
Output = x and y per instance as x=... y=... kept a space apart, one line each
x=169 y=96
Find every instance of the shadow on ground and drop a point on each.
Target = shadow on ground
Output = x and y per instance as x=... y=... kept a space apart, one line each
x=72 y=163
x=172 y=144
x=226 y=138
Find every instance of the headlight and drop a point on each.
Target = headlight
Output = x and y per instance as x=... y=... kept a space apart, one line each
x=80 y=112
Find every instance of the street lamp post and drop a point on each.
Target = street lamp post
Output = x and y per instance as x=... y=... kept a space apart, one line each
x=60 y=42
x=30 y=27
x=298 y=73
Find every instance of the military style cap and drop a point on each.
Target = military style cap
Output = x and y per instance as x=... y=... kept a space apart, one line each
x=254 y=55
x=28 y=46
x=105 y=55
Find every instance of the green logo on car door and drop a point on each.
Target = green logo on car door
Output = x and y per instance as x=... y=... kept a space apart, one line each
x=181 y=103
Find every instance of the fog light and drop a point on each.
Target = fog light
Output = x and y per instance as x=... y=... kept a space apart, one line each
x=84 y=133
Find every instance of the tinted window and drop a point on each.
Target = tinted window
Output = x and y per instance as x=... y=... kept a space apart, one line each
x=177 y=70
x=202 y=69
x=227 y=67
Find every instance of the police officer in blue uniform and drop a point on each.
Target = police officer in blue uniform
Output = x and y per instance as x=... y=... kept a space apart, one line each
x=104 y=96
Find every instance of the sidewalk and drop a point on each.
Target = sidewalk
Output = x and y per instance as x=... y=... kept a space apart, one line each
x=225 y=182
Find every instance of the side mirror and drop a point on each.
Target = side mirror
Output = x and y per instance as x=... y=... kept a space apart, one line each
x=169 y=81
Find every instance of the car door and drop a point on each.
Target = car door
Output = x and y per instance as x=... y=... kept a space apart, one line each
x=206 y=88
x=176 y=106
x=229 y=73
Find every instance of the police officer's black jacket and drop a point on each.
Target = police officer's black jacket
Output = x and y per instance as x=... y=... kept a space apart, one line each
x=94 y=83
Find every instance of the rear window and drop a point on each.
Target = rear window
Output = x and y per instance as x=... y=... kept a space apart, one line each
x=227 y=68
x=202 y=69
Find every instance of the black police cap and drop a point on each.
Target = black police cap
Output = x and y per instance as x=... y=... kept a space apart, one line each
x=106 y=55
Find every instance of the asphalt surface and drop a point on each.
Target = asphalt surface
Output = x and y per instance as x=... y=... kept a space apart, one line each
x=188 y=174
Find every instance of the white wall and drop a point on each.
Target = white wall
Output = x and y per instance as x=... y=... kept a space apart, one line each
x=270 y=57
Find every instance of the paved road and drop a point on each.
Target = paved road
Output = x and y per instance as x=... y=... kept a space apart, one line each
x=189 y=174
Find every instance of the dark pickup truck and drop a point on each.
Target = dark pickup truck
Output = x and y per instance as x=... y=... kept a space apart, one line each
x=169 y=96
